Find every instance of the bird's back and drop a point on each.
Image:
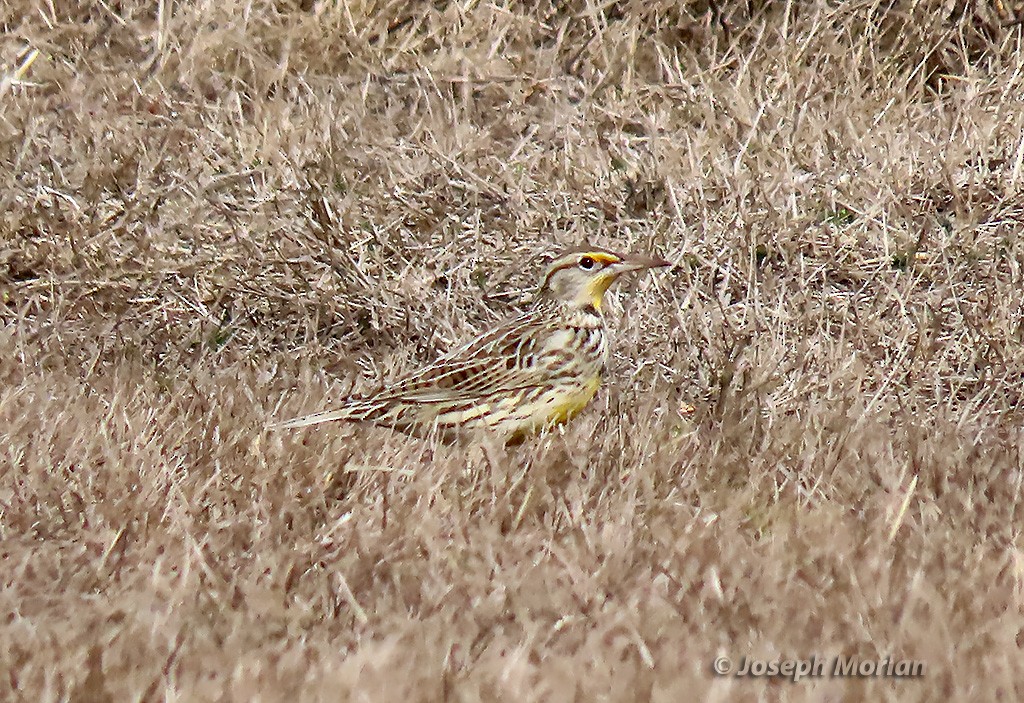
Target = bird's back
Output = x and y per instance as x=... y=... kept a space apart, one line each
x=536 y=369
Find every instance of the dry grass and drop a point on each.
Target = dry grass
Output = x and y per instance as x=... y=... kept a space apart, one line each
x=218 y=213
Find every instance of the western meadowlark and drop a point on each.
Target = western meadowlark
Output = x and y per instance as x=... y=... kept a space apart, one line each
x=532 y=372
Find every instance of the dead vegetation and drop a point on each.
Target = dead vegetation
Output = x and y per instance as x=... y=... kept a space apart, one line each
x=218 y=213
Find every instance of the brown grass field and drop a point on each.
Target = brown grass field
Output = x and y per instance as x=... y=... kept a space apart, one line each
x=219 y=214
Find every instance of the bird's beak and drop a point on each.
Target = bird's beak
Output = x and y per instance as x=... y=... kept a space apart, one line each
x=636 y=262
x=595 y=288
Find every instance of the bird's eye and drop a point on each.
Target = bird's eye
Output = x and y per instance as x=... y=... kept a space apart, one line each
x=586 y=263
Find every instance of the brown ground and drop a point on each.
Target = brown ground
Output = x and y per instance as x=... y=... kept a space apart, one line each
x=215 y=214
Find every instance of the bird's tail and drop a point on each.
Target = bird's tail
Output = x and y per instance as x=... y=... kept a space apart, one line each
x=353 y=411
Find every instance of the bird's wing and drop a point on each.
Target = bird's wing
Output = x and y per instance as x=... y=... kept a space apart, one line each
x=491 y=363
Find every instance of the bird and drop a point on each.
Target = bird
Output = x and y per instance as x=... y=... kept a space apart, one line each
x=534 y=371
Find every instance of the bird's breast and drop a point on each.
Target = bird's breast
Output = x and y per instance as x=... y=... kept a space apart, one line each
x=573 y=400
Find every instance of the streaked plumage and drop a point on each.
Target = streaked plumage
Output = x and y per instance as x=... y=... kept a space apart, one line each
x=531 y=372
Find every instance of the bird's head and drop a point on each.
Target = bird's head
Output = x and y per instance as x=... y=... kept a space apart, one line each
x=581 y=276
